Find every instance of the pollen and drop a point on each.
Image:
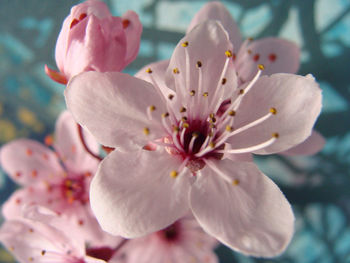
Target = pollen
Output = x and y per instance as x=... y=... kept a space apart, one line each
x=241 y=91
x=170 y=96
x=176 y=71
x=235 y=182
x=229 y=128
x=223 y=82
x=205 y=94
x=212 y=144
x=164 y=115
x=273 y=111
x=152 y=108
x=34 y=173
x=249 y=51
x=185 y=44
x=29 y=152
x=43 y=252
x=232 y=113
x=173 y=174
x=182 y=109
x=146 y=131
x=275 y=135
x=149 y=71
x=195 y=134
x=250 y=39
x=228 y=53
x=176 y=129
x=199 y=64
x=261 y=67
x=184 y=118
x=192 y=92
x=185 y=125
x=48 y=140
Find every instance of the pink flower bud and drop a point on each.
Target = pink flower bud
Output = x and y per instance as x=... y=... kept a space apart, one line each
x=91 y=39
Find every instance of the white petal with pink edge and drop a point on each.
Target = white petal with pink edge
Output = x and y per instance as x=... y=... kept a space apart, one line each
x=27 y=161
x=276 y=114
x=119 y=110
x=250 y=215
x=133 y=194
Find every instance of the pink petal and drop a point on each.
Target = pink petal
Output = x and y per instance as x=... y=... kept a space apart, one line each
x=252 y=217
x=117 y=113
x=206 y=44
x=70 y=148
x=158 y=71
x=133 y=194
x=312 y=145
x=29 y=162
x=297 y=101
x=133 y=30
x=217 y=11
x=277 y=56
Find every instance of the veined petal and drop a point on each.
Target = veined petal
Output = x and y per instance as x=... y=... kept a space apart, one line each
x=295 y=103
x=217 y=11
x=277 y=55
x=133 y=194
x=111 y=107
x=312 y=145
x=133 y=31
x=202 y=62
x=28 y=162
x=70 y=148
x=251 y=216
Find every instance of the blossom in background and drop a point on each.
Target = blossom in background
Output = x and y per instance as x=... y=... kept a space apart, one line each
x=173 y=141
x=44 y=236
x=92 y=39
x=276 y=54
x=183 y=241
x=58 y=180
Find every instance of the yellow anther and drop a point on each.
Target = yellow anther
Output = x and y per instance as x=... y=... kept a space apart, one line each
x=212 y=120
x=249 y=51
x=212 y=126
x=164 y=115
x=176 y=71
x=195 y=134
x=275 y=135
x=182 y=109
x=192 y=92
x=199 y=64
x=228 y=53
x=146 y=131
x=273 y=111
x=235 y=182
x=184 y=44
x=211 y=115
x=261 y=67
x=223 y=82
x=152 y=108
x=241 y=91
x=184 y=118
x=185 y=125
x=43 y=252
x=205 y=94
x=212 y=144
x=173 y=174
x=176 y=129
x=170 y=96
x=211 y=134
x=229 y=128
x=232 y=113
x=149 y=70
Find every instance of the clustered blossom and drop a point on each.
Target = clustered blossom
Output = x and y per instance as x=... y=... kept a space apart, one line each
x=180 y=135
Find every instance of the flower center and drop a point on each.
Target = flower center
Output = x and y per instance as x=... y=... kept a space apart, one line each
x=73 y=189
x=171 y=233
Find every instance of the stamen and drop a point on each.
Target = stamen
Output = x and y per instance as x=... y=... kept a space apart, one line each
x=252 y=148
x=173 y=174
x=211 y=146
x=176 y=71
x=228 y=53
x=213 y=167
x=194 y=137
x=199 y=64
x=192 y=92
x=205 y=94
x=149 y=71
x=146 y=131
x=184 y=44
x=175 y=139
x=170 y=96
x=150 y=109
x=182 y=109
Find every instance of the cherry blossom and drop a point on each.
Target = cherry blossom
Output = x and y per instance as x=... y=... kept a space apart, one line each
x=58 y=180
x=276 y=54
x=92 y=39
x=183 y=241
x=181 y=146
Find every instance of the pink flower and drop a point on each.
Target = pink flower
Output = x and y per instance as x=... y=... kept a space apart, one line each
x=43 y=236
x=91 y=39
x=181 y=149
x=61 y=188
x=183 y=241
x=276 y=54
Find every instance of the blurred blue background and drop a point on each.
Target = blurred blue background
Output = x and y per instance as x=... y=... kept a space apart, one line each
x=318 y=187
